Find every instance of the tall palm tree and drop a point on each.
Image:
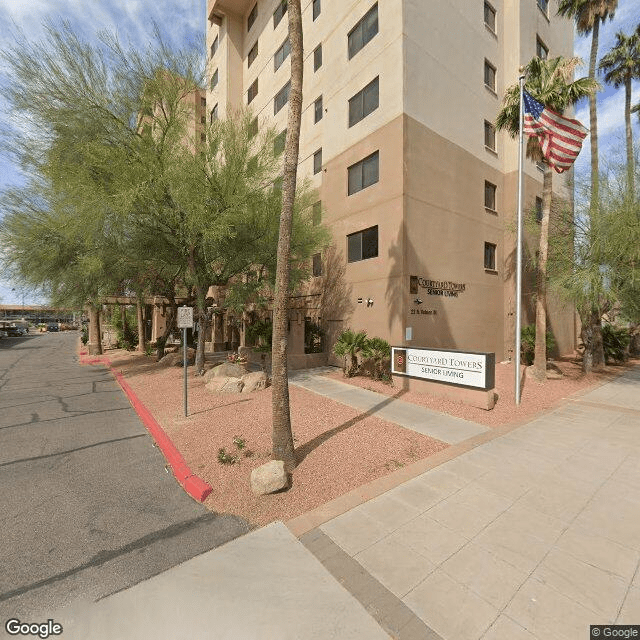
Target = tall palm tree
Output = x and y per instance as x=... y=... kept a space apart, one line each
x=622 y=65
x=282 y=435
x=588 y=14
x=549 y=82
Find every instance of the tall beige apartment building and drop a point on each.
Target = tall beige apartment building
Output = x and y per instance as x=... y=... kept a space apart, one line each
x=417 y=188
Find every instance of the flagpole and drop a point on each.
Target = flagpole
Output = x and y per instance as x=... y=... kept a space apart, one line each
x=519 y=240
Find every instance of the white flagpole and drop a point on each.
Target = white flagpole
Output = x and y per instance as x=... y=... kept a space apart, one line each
x=518 y=301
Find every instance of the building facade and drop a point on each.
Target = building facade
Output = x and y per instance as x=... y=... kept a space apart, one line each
x=416 y=186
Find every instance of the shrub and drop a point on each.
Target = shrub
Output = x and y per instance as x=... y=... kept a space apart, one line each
x=84 y=336
x=350 y=344
x=378 y=351
x=261 y=331
x=615 y=342
x=528 y=343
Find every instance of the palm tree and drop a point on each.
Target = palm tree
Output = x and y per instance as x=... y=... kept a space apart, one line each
x=588 y=14
x=622 y=65
x=379 y=351
x=351 y=344
x=282 y=435
x=549 y=82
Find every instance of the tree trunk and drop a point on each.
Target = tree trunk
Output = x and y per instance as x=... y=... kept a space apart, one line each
x=282 y=435
x=94 y=343
x=629 y=134
x=539 y=369
x=591 y=334
x=142 y=342
x=593 y=120
x=202 y=328
x=169 y=326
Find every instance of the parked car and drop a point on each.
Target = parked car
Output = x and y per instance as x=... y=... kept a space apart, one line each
x=52 y=327
x=15 y=332
x=3 y=334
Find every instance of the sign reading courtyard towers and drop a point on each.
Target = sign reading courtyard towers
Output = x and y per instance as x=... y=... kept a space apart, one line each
x=467 y=369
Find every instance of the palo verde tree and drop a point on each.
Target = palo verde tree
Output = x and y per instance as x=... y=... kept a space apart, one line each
x=549 y=82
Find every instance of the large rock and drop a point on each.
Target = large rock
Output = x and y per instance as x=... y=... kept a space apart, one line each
x=227 y=370
x=269 y=478
x=254 y=381
x=225 y=385
x=176 y=359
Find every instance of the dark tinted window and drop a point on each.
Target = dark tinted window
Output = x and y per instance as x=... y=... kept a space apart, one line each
x=317 y=110
x=252 y=16
x=362 y=245
x=253 y=54
x=363 y=31
x=253 y=91
x=317 y=57
x=279 y=13
x=317 y=161
x=364 y=102
x=281 y=54
x=363 y=174
x=489 y=256
x=282 y=97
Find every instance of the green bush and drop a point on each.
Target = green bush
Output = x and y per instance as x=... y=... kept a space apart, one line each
x=350 y=343
x=615 y=342
x=84 y=336
x=378 y=352
x=261 y=332
x=528 y=343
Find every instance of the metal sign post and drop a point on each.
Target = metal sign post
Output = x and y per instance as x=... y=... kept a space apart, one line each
x=185 y=321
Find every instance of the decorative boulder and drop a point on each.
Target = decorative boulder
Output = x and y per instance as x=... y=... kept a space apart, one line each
x=255 y=381
x=269 y=478
x=244 y=352
x=227 y=370
x=176 y=359
x=225 y=385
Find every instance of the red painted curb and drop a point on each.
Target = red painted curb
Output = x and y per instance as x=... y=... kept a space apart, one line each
x=197 y=488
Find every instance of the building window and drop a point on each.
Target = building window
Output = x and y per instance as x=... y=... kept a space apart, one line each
x=214 y=46
x=489 y=136
x=538 y=209
x=279 y=142
x=253 y=54
x=317 y=161
x=541 y=49
x=490 y=17
x=363 y=174
x=317 y=265
x=203 y=119
x=363 y=32
x=489 y=256
x=489 y=196
x=362 y=245
x=281 y=54
x=252 y=131
x=214 y=80
x=316 y=8
x=364 y=102
x=279 y=13
x=317 y=57
x=203 y=102
x=317 y=110
x=316 y=216
x=252 y=16
x=214 y=113
x=253 y=91
x=489 y=76
x=543 y=5
x=282 y=97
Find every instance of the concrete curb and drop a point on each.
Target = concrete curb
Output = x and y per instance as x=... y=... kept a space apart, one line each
x=197 y=488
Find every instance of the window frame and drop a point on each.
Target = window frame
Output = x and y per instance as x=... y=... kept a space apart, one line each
x=252 y=17
x=360 y=166
x=317 y=162
x=361 y=235
x=276 y=99
x=493 y=73
x=214 y=45
x=317 y=110
x=253 y=54
x=360 y=96
x=253 y=87
x=213 y=116
x=316 y=9
x=281 y=50
x=214 y=77
x=543 y=5
x=317 y=57
x=489 y=126
x=280 y=13
x=494 y=14
x=490 y=203
x=352 y=51
x=490 y=256
x=541 y=45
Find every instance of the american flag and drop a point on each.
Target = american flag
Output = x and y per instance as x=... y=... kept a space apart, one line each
x=560 y=138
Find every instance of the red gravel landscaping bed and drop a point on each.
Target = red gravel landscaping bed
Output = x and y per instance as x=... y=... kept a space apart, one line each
x=535 y=397
x=339 y=447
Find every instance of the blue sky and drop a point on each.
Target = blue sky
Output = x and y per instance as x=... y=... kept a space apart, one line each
x=184 y=20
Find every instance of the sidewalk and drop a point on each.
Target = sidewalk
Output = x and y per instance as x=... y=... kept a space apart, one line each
x=532 y=535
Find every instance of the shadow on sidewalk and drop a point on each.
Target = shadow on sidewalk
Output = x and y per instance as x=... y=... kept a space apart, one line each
x=303 y=451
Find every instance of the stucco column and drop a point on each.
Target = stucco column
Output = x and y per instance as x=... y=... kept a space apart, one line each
x=94 y=343
x=218 y=336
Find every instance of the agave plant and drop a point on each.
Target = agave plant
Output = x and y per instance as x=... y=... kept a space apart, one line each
x=351 y=343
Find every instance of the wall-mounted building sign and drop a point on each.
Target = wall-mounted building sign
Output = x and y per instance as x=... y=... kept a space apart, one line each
x=467 y=369
x=444 y=288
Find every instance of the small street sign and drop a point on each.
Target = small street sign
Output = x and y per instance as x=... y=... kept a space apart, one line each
x=185 y=317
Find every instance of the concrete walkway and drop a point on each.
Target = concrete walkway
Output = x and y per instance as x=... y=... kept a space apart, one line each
x=531 y=535
x=411 y=416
